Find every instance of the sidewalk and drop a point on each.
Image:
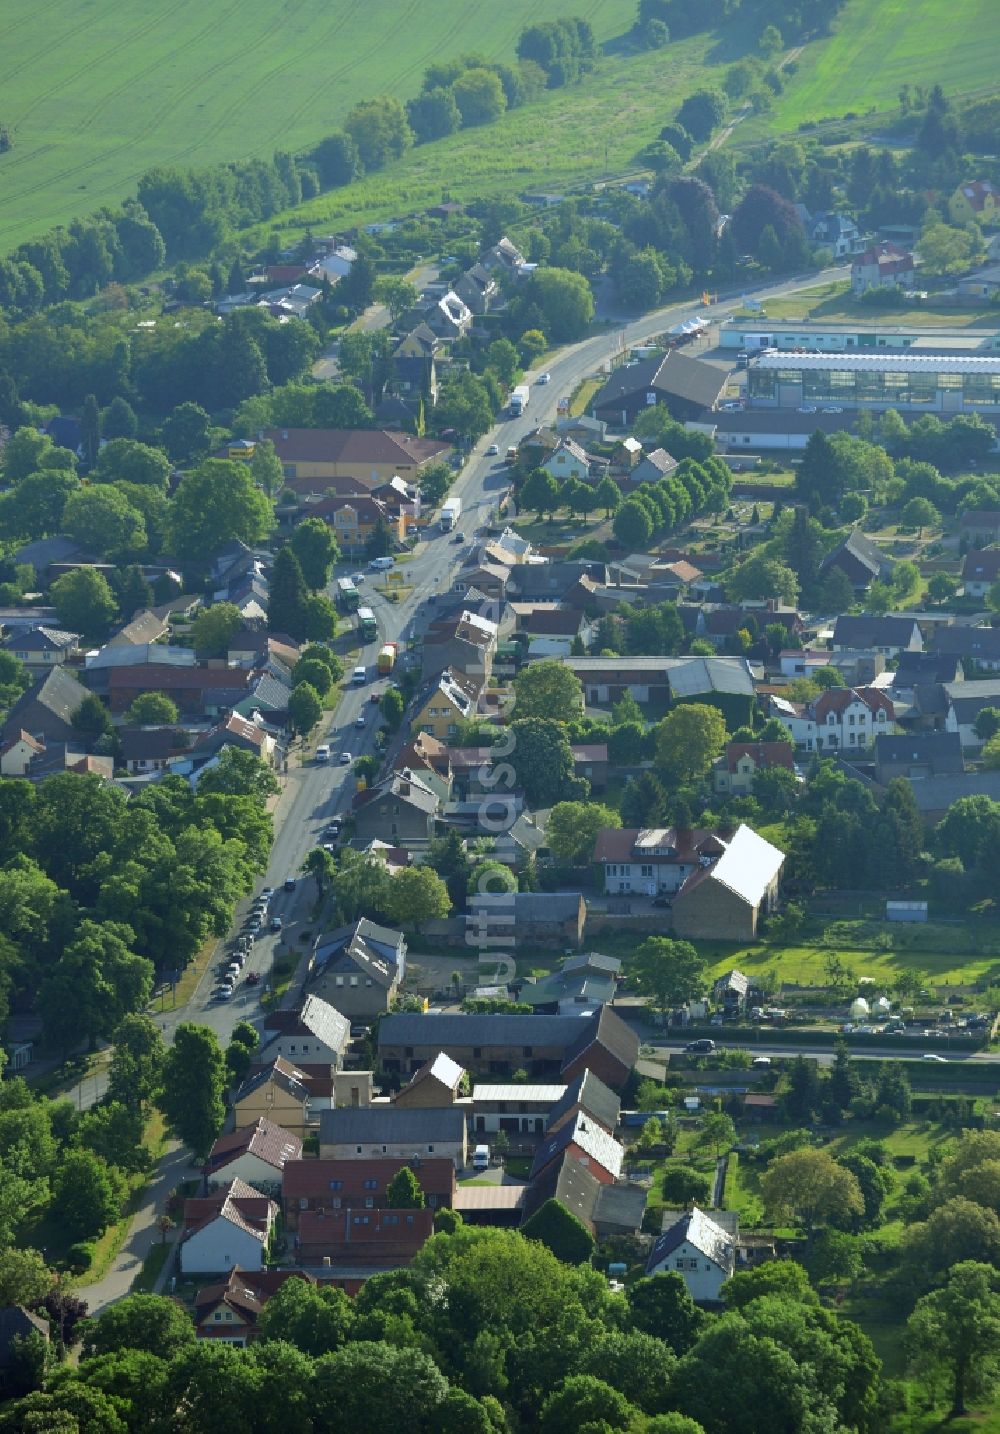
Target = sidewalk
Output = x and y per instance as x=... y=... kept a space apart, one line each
x=174 y=1168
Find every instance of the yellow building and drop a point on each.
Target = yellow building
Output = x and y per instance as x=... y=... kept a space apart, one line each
x=451 y=699
x=279 y=1094
x=977 y=200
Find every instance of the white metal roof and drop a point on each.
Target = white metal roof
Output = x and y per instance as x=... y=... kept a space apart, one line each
x=895 y=362
x=748 y=865
x=538 y=1094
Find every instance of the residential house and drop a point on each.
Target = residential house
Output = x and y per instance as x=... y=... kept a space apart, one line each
x=499 y=1045
x=358 y=1184
x=451 y=699
x=462 y=642
x=700 y=1251
x=861 y=560
x=17 y=1323
x=354 y=519
x=336 y=263
x=435 y=1086
x=735 y=771
x=402 y=1132
x=152 y=749
x=317 y=1034
x=238 y=732
x=974 y=647
x=582 y=982
x=652 y=467
x=488 y=578
x=278 y=1092
x=976 y=201
x=917 y=756
x=414 y=365
x=839 y=718
x=567 y=460
x=401 y=809
x=228 y=1312
x=979 y=526
x=41 y=648
x=588 y=1142
x=255 y=1154
x=581 y=429
x=358 y=969
x=686 y=386
x=46 y=710
x=935 y=795
x=725 y=901
x=858 y=667
x=963 y=703
x=478 y=289
x=544 y=917
x=654 y=861
x=836 y=232
x=18 y=752
x=311 y=455
x=889 y=635
x=373 y=1240
x=145 y=627
x=229 y=1228
x=882 y=266
x=980 y=570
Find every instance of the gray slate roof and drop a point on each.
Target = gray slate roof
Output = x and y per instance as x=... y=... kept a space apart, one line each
x=941 y=750
x=590 y=1093
x=699 y=1230
x=865 y=631
x=445 y=1031
x=390 y=1125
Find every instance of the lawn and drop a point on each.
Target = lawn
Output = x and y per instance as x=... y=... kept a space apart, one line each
x=878 y=47
x=96 y=94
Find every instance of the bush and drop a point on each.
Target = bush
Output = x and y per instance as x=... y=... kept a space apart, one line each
x=80 y=1256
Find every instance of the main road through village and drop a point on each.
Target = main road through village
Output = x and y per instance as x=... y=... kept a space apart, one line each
x=315 y=792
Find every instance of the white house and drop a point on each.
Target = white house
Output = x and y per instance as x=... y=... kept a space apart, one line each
x=567 y=460
x=255 y=1154
x=839 y=718
x=230 y=1228
x=698 y=1250
x=316 y=1035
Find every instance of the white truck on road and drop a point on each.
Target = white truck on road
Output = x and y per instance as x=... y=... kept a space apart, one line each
x=451 y=511
x=519 y=400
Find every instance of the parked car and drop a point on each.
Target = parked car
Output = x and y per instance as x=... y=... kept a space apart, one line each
x=332 y=829
x=704 y=1047
x=346 y=759
x=493 y=450
x=254 y=978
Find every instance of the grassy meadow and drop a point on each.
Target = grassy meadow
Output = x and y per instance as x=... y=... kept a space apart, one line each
x=880 y=45
x=97 y=92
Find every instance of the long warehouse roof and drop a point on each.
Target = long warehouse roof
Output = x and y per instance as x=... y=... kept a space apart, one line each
x=896 y=362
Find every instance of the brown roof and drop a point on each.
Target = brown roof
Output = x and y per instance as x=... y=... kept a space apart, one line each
x=269 y=1142
x=764 y=754
x=363 y=446
x=331 y=1229
x=246 y=1291
x=162 y=677
x=238 y=1202
x=314 y=1179
x=688 y=843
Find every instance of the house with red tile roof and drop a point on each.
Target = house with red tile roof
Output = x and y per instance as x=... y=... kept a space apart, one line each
x=378 y=1239
x=229 y=1310
x=883 y=266
x=654 y=860
x=841 y=718
x=330 y=1185
x=255 y=1154
x=735 y=770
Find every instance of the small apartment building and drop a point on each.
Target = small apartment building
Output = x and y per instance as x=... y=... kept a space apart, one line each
x=451 y=700
x=841 y=718
x=654 y=860
x=329 y=1185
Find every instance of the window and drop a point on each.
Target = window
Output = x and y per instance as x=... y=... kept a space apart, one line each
x=646 y=870
x=354 y=981
x=477 y=1051
x=369 y=1202
x=430 y=1150
x=390 y=1219
x=338 y=980
x=371 y=1185
x=357 y=1149
x=529 y=1050
x=304 y=1202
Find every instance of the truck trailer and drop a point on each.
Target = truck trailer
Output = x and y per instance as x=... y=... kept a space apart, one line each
x=519 y=400
x=451 y=511
x=386 y=659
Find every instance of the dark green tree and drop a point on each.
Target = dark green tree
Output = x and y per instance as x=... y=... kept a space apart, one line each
x=194 y=1079
x=561 y=1232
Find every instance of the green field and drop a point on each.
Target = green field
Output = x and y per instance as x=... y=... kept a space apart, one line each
x=880 y=45
x=97 y=92
x=572 y=134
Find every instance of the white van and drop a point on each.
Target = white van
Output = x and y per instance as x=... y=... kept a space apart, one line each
x=481 y=1158
x=381 y=565
x=360 y=676
x=323 y=753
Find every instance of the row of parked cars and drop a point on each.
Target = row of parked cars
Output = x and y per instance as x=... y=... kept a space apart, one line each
x=231 y=966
